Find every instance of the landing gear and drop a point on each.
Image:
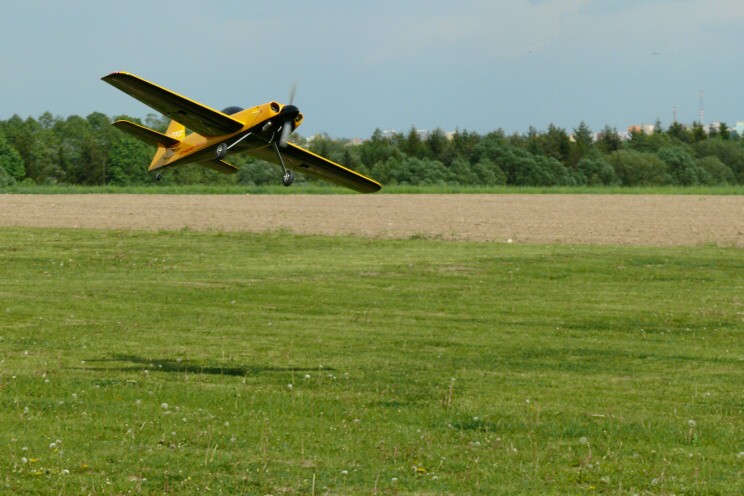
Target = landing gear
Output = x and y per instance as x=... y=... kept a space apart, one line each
x=288 y=177
x=158 y=176
x=221 y=151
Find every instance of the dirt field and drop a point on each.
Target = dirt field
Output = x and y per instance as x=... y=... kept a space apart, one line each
x=580 y=219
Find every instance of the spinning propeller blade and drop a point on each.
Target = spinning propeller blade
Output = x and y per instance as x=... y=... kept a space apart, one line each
x=293 y=111
x=286 y=130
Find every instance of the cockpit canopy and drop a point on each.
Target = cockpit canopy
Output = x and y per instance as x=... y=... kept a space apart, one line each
x=231 y=110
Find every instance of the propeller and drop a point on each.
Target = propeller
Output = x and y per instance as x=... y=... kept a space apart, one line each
x=289 y=113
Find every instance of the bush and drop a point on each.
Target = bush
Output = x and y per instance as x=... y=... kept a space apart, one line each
x=681 y=166
x=596 y=171
x=715 y=172
x=5 y=178
x=730 y=153
x=635 y=168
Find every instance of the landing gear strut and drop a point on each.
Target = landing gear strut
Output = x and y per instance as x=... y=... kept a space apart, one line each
x=288 y=177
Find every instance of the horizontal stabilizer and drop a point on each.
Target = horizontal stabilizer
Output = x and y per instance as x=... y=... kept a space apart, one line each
x=220 y=166
x=146 y=134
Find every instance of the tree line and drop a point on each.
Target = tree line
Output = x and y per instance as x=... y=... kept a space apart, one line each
x=89 y=151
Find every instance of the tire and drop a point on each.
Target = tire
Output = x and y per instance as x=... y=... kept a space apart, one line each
x=221 y=151
x=288 y=178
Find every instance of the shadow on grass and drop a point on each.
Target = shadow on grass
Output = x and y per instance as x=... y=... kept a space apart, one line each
x=184 y=366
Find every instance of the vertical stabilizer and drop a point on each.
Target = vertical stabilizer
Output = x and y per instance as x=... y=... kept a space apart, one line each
x=176 y=130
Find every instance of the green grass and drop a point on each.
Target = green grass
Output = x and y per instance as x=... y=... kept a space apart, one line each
x=317 y=188
x=161 y=363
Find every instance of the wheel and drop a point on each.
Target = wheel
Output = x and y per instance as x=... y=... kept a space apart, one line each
x=288 y=178
x=221 y=151
x=158 y=176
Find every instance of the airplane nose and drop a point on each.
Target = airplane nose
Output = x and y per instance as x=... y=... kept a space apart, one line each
x=290 y=112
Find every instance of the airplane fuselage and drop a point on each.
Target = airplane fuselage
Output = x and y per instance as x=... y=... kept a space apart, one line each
x=195 y=147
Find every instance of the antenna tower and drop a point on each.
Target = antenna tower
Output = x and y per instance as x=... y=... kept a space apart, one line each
x=702 y=111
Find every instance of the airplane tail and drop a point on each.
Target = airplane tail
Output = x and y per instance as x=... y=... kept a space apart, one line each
x=176 y=132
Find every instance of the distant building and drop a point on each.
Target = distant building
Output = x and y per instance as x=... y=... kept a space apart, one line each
x=739 y=128
x=643 y=128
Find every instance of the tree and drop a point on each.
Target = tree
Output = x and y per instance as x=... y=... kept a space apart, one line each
x=11 y=162
x=697 y=133
x=128 y=160
x=413 y=145
x=679 y=132
x=436 y=146
x=724 y=132
x=583 y=144
x=556 y=144
x=608 y=140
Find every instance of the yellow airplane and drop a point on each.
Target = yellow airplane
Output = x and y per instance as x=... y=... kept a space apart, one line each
x=261 y=131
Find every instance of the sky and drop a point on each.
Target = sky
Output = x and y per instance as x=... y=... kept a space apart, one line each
x=475 y=65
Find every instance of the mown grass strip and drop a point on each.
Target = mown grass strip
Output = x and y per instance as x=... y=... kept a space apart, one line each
x=274 y=363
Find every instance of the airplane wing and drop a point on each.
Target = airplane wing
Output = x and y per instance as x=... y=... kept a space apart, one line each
x=307 y=162
x=194 y=115
x=146 y=134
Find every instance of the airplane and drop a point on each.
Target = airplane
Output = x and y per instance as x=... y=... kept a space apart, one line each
x=262 y=131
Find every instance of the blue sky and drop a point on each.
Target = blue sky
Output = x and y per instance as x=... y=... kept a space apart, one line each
x=477 y=65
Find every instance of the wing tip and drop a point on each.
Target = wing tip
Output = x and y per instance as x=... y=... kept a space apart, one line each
x=115 y=74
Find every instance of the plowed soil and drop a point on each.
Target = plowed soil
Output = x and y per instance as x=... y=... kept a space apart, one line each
x=652 y=220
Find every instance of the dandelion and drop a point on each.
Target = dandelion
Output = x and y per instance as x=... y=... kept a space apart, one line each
x=164 y=406
x=52 y=445
x=584 y=440
x=290 y=386
x=307 y=376
x=24 y=460
x=65 y=471
x=691 y=423
x=344 y=472
x=394 y=480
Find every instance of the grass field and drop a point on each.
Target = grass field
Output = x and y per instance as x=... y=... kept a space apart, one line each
x=326 y=189
x=212 y=363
